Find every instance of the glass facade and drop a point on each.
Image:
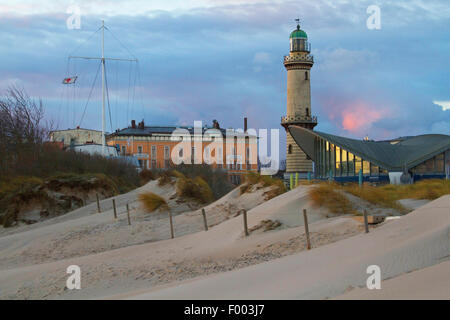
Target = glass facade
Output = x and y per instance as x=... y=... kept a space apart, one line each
x=338 y=162
x=434 y=165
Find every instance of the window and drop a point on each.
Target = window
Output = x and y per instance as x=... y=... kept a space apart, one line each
x=166 y=152
x=124 y=150
x=358 y=165
x=383 y=171
x=440 y=163
x=140 y=149
x=307 y=112
x=290 y=149
x=351 y=164
x=332 y=160
x=338 y=161
x=344 y=163
x=366 y=168
x=306 y=75
x=374 y=170
x=154 y=152
x=429 y=165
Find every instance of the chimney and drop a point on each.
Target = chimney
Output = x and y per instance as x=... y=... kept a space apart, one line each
x=245 y=124
x=133 y=124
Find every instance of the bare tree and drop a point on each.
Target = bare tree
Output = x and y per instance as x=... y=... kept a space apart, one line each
x=22 y=130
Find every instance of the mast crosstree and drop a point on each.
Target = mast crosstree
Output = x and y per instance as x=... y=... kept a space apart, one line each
x=103 y=60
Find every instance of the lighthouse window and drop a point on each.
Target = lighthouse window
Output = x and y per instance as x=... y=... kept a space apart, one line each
x=306 y=75
x=307 y=112
x=290 y=149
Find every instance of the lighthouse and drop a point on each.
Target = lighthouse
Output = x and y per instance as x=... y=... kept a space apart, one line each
x=298 y=65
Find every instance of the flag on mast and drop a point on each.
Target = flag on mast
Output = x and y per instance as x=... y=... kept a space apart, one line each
x=70 y=80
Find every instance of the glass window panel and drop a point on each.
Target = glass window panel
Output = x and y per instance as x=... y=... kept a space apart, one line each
x=440 y=163
x=332 y=160
x=358 y=165
x=429 y=164
x=351 y=164
x=338 y=161
x=383 y=171
x=344 y=162
x=374 y=170
x=366 y=167
x=323 y=167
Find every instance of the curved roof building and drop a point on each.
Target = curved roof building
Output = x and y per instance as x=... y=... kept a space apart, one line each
x=423 y=156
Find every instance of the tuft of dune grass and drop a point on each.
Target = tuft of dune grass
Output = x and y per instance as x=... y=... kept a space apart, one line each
x=328 y=195
x=165 y=177
x=196 y=189
x=384 y=196
x=388 y=195
x=253 y=178
x=151 y=201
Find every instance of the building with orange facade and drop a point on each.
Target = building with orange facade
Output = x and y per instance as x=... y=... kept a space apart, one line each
x=162 y=147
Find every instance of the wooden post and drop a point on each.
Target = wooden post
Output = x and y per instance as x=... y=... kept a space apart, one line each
x=171 y=225
x=366 y=222
x=204 y=219
x=245 y=222
x=98 y=203
x=114 y=207
x=128 y=214
x=308 y=241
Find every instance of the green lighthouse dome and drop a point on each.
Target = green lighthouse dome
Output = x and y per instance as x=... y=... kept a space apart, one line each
x=298 y=33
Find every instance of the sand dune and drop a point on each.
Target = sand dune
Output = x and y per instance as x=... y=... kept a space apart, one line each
x=416 y=241
x=140 y=261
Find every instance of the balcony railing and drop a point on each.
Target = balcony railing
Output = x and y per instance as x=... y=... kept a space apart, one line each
x=298 y=58
x=299 y=119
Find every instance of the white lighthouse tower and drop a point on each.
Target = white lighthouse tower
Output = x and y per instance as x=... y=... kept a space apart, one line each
x=298 y=65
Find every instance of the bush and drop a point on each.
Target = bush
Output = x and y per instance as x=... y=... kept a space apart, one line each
x=151 y=201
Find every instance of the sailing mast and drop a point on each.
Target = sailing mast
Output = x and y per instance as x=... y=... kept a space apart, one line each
x=103 y=89
x=103 y=61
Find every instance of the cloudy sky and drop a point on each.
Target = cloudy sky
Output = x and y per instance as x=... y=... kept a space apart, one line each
x=222 y=59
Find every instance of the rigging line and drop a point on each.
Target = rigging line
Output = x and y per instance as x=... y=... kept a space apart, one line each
x=120 y=42
x=141 y=87
x=67 y=97
x=90 y=37
x=117 y=93
x=107 y=96
x=74 y=85
x=134 y=88
x=90 y=93
x=128 y=94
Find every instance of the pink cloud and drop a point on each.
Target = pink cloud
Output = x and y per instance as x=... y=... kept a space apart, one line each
x=359 y=115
